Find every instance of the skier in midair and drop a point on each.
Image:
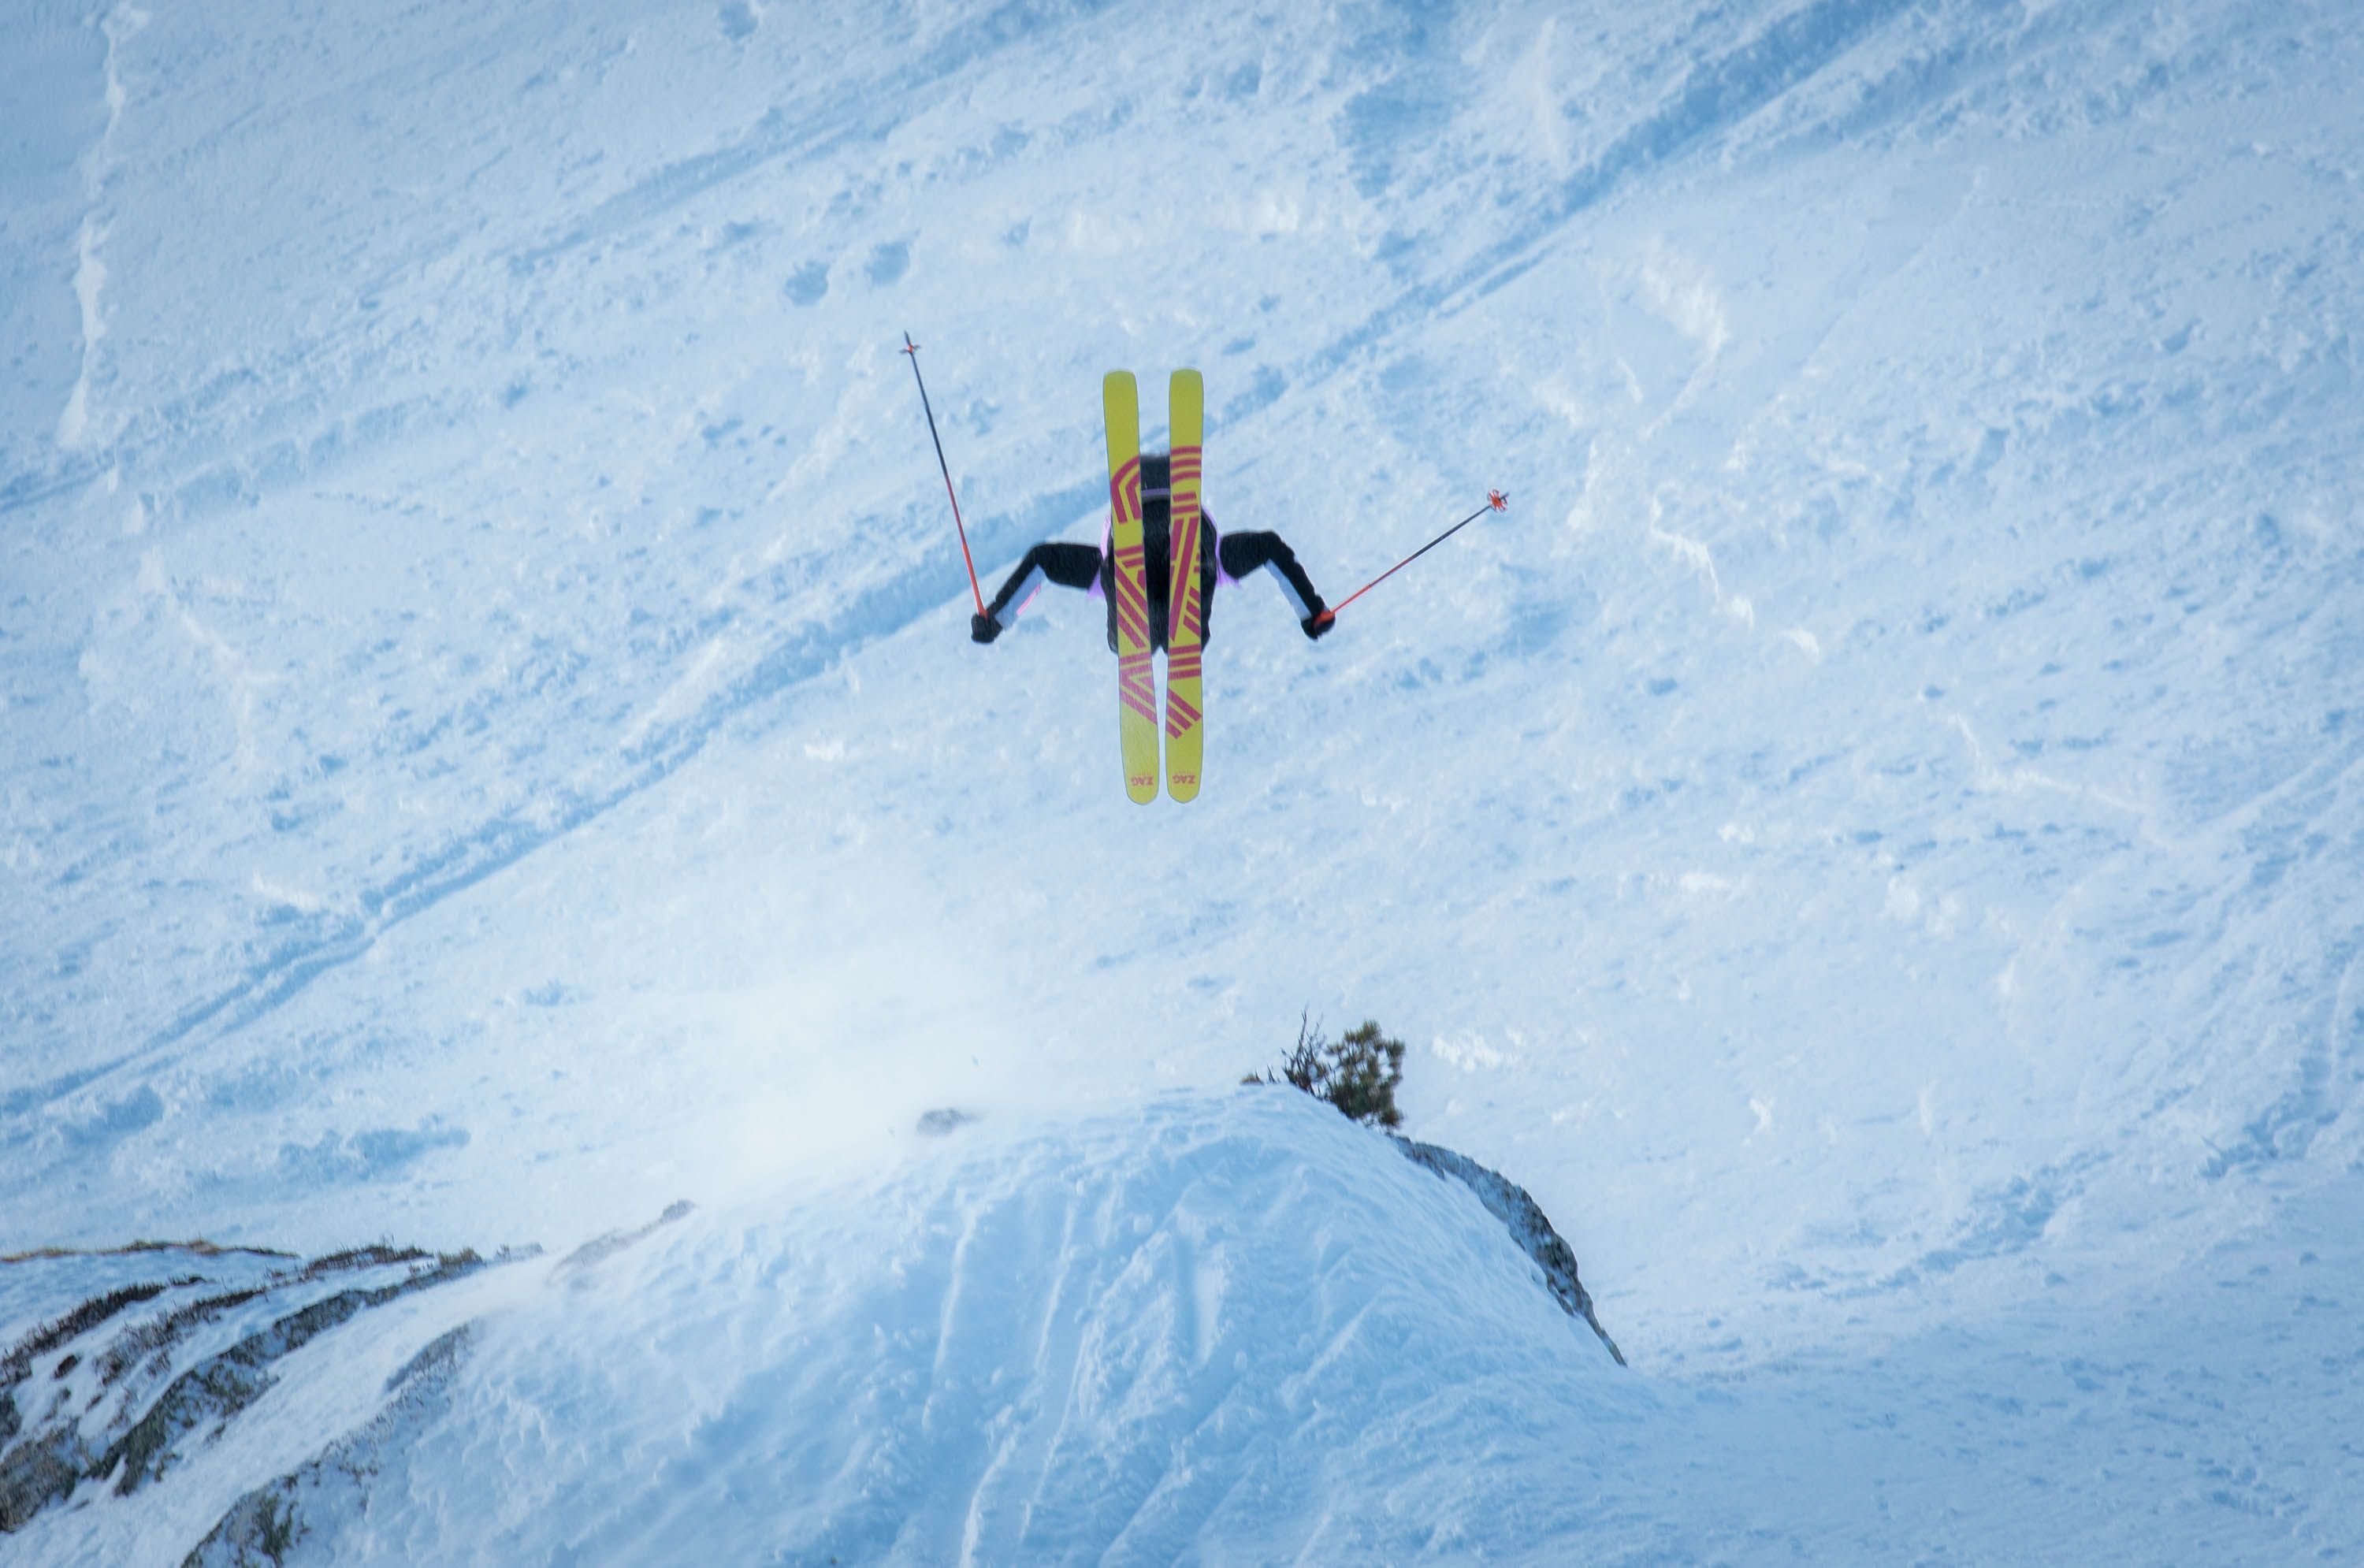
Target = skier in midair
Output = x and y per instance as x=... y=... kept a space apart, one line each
x=1221 y=558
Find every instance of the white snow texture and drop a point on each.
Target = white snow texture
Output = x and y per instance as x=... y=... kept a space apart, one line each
x=1872 y=840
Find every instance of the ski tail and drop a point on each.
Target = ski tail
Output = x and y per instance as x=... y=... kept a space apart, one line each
x=1135 y=680
x=1186 y=728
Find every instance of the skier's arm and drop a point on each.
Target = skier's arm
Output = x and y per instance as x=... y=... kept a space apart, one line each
x=1068 y=565
x=1243 y=552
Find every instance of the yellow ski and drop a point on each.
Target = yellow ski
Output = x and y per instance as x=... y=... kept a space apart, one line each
x=1186 y=728
x=1136 y=692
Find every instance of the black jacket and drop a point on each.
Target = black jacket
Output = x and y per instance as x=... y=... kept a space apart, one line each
x=1157 y=541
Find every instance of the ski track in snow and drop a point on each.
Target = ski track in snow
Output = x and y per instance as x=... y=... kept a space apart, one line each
x=1714 y=97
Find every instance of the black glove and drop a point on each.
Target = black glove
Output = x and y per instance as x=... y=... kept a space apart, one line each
x=1317 y=625
x=983 y=628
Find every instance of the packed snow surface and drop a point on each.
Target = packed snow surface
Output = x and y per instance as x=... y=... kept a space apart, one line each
x=1872 y=840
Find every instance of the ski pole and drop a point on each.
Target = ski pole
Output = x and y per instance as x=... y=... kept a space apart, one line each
x=1495 y=502
x=913 y=349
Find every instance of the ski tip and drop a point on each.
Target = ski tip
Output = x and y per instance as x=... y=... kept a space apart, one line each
x=1497 y=500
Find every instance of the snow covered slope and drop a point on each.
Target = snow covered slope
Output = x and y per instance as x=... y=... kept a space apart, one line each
x=1229 y=1325
x=1872 y=840
x=1205 y=1320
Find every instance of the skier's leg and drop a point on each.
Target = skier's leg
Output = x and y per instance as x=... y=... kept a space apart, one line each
x=1243 y=552
x=1068 y=565
x=1211 y=572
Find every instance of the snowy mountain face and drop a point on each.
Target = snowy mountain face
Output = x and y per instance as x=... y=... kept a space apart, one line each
x=1870 y=840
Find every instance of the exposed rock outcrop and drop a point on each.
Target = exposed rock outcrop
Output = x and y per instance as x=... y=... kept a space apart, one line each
x=273 y=1523
x=119 y=1386
x=1527 y=1223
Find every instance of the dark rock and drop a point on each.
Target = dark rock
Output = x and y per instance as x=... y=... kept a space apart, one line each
x=164 y=1391
x=599 y=1248
x=271 y=1522
x=215 y=1390
x=1529 y=1227
x=36 y=1474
